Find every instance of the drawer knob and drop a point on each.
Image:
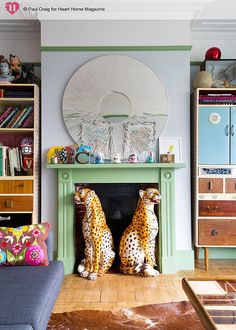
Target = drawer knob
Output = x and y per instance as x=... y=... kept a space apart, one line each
x=9 y=203
x=214 y=232
x=210 y=185
x=22 y=184
x=212 y=209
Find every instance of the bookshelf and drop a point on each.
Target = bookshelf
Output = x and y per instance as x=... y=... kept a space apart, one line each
x=19 y=154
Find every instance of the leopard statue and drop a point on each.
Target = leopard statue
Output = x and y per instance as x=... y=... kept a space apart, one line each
x=137 y=244
x=99 y=254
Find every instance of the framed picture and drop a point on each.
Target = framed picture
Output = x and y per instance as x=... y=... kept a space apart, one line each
x=170 y=145
x=223 y=72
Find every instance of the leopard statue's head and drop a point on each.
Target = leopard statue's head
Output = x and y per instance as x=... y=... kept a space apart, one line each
x=83 y=195
x=150 y=195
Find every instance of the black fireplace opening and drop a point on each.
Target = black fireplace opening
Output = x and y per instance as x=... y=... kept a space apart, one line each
x=119 y=202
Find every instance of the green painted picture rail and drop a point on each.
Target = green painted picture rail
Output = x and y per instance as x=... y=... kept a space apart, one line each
x=115 y=48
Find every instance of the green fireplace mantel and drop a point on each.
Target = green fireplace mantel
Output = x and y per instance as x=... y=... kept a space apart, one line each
x=161 y=173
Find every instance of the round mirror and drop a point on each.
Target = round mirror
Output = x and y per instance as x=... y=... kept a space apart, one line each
x=115 y=103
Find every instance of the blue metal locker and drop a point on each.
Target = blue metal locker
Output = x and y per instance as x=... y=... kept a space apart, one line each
x=214 y=135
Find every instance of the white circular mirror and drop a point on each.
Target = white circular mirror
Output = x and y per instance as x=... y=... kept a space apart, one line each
x=115 y=103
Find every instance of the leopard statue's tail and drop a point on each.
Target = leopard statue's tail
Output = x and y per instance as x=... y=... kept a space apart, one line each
x=139 y=269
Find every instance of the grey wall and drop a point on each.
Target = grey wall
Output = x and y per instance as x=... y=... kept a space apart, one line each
x=173 y=70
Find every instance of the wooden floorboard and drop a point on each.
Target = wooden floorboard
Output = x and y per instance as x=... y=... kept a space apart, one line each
x=114 y=291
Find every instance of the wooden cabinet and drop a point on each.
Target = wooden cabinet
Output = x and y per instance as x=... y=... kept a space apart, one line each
x=19 y=154
x=214 y=168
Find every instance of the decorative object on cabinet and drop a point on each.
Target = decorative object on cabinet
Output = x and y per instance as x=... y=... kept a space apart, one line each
x=170 y=148
x=223 y=72
x=133 y=158
x=99 y=158
x=122 y=108
x=150 y=157
x=214 y=169
x=213 y=53
x=115 y=158
x=203 y=79
x=5 y=71
x=16 y=66
x=19 y=155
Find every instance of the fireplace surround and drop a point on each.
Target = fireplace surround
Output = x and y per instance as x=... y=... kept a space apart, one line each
x=161 y=173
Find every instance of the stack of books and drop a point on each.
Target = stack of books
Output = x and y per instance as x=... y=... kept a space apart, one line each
x=221 y=99
x=12 y=162
x=15 y=117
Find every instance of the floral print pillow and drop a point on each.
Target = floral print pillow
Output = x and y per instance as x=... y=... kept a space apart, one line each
x=24 y=245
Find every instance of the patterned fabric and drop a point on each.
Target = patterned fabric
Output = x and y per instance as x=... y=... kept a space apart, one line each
x=24 y=245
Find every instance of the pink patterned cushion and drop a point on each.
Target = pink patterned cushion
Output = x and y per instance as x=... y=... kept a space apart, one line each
x=24 y=245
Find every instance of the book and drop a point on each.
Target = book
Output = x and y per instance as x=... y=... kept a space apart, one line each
x=29 y=122
x=13 y=118
x=15 y=125
x=16 y=117
x=8 y=119
x=19 y=94
x=25 y=116
x=4 y=161
x=5 y=114
x=1 y=162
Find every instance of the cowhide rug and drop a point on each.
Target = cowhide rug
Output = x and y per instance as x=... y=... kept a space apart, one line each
x=171 y=316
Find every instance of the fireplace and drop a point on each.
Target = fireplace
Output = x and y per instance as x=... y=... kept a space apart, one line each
x=162 y=174
x=119 y=202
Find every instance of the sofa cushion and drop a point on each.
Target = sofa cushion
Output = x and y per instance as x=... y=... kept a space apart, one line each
x=24 y=245
x=28 y=294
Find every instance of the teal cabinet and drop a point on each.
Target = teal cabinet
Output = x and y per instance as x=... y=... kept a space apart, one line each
x=217 y=138
x=233 y=136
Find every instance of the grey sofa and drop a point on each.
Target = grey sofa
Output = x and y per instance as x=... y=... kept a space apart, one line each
x=28 y=293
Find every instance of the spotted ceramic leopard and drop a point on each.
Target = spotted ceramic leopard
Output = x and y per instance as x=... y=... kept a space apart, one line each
x=137 y=245
x=99 y=252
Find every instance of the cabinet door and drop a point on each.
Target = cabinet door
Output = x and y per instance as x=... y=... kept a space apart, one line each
x=214 y=135
x=233 y=135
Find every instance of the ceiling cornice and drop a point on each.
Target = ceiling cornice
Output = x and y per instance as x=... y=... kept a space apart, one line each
x=19 y=29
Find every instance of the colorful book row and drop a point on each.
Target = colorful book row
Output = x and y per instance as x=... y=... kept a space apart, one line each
x=15 y=117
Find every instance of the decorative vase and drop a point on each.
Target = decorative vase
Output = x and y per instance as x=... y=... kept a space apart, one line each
x=213 y=53
x=203 y=79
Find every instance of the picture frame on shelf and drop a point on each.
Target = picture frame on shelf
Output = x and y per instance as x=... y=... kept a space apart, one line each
x=170 y=150
x=223 y=72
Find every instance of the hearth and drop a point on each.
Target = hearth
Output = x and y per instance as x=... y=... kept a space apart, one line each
x=119 y=202
x=162 y=174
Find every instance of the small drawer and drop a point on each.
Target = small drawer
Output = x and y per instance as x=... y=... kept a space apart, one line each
x=217 y=232
x=230 y=186
x=16 y=203
x=15 y=219
x=16 y=187
x=217 y=208
x=208 y=185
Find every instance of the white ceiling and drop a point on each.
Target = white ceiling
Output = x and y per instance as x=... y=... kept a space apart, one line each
x=204 y=15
